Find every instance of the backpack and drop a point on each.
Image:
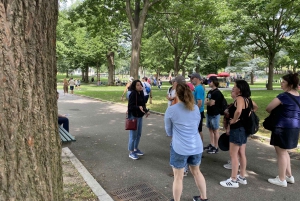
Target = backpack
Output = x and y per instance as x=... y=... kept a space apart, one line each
x=169 y=90
x=224 y=105
x=251 y=122
x=147 y=89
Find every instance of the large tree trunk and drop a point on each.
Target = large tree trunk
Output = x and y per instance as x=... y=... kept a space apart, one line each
x=271 y=73
x=176 y=63
x=82 y=74
x=111 y=68
x=30 y=150
x=86 y=74
x=137 y=18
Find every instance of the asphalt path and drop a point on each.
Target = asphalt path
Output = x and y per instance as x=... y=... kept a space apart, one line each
x=101 y=147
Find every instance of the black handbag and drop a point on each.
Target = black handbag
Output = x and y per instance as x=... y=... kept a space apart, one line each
x=270 y=122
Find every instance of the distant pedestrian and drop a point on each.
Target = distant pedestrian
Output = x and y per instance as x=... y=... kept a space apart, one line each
x=136 y=109
x=146 y=94
x=171 y=93
x=181 y=123
x=127 y=89
x=78 y=84
x=71 y=84
x=159 y=83
x=66 y=86
x=285 y=136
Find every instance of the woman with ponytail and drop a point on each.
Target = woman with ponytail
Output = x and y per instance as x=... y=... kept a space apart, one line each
x=181 y=123
x=285 y=135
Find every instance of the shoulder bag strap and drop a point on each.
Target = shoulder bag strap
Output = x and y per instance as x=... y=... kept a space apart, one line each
x=290 y=95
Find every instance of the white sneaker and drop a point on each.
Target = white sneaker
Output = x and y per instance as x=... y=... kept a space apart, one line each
x=241 y=180
x=278 y=182
x=290 y=179
x=228 y=165
x=229 y=183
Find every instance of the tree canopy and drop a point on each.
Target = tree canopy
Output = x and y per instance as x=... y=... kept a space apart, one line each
x=171 y=36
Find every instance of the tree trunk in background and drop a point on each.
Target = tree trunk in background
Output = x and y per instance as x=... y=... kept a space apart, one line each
x=183 y=71
x=176 y=62
x=86 y=74
x=251 y=78
x=82 y=75
x=271 y=74
x=30 y=150
x=98 y=74
x=111 y=68
x=137 y=18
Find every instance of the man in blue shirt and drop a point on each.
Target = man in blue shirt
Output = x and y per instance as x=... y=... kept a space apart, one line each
x=199 y=96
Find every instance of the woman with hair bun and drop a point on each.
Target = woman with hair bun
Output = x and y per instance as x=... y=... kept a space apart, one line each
x=285 y=135
x=181 y=123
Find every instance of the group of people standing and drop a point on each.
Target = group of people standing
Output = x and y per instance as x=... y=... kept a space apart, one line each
x=184 y=118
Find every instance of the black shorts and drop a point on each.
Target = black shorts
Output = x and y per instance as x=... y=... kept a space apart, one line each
x=201 y=122
x=285 y=138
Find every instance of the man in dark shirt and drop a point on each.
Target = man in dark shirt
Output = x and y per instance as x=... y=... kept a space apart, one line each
x=213 y=101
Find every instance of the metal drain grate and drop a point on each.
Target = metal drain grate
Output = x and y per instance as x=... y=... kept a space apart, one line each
x=140 y=192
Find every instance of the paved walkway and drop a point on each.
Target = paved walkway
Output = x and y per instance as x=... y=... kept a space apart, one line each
x=101 y=147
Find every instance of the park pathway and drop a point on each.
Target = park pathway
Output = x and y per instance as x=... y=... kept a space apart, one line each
x=101 y=147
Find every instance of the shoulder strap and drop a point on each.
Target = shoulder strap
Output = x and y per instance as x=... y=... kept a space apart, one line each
x=290 y=95
x=249 y=103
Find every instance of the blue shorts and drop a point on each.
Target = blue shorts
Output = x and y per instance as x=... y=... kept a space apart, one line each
x=213 y=122
x=71 y=88
x=179 y=161
x=238 y=136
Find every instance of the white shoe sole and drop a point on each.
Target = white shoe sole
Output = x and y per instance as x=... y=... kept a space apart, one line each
x=133 y=158
x=275 y=183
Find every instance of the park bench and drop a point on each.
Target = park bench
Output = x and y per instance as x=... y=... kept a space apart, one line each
x=65 y=136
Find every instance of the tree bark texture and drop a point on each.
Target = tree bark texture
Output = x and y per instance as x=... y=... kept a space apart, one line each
x=86 y=73
x=137 y=18
x=111 y=68
x=30 y=150
x=271 y=73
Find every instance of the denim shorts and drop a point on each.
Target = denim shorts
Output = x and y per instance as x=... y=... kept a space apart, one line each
x=238 y=136
x=179 y=161
x=213 y=122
